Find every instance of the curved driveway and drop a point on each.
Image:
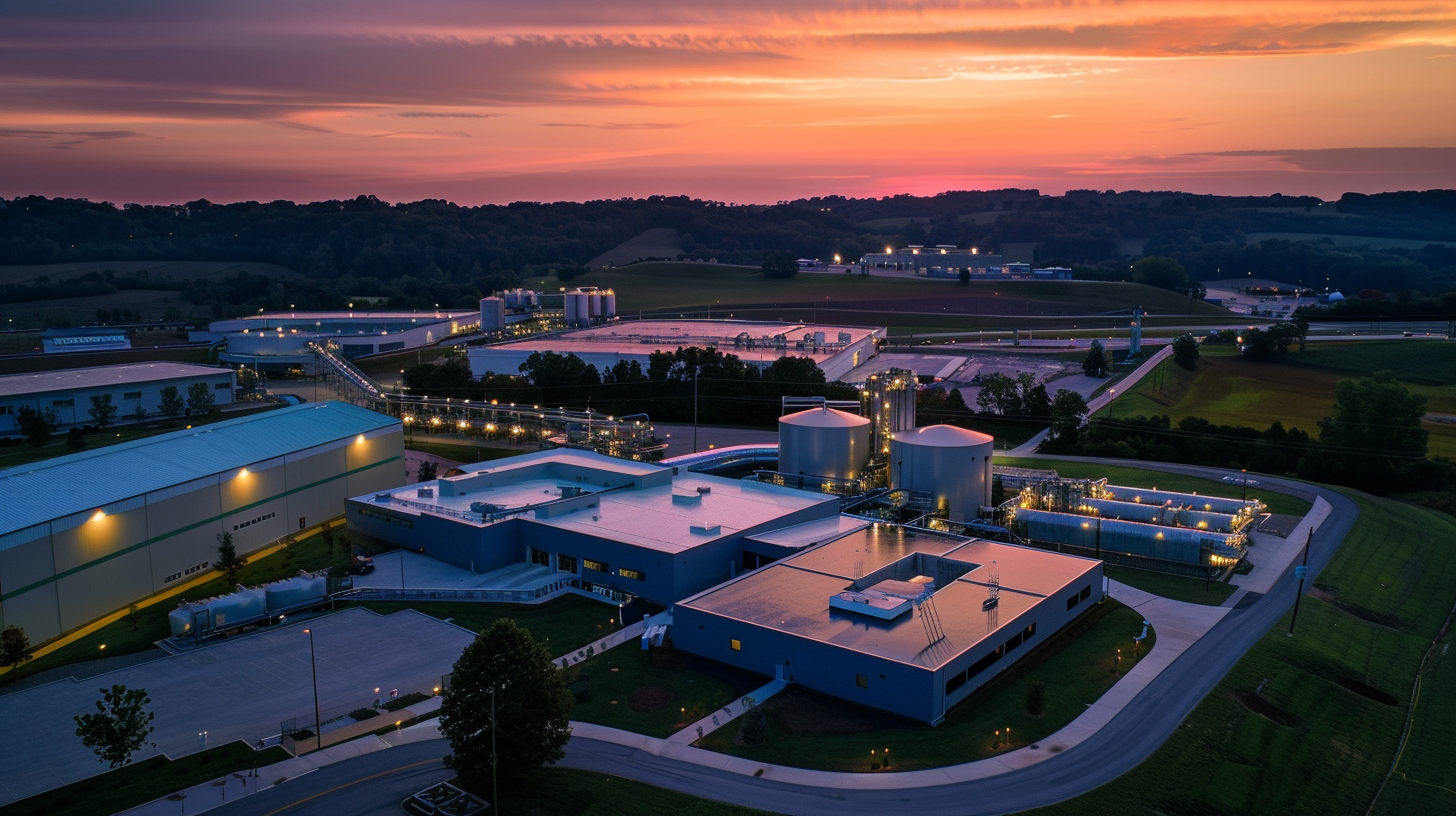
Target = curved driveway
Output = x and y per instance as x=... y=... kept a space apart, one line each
x=1131 y=736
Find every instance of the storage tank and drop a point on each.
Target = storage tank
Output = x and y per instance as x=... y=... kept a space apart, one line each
x=492 y=314
x=609 y=304
x=824 y=442
x=595 y=300
x=952 y=464
x=583 y=307
x=570 y=305
x=294 y=591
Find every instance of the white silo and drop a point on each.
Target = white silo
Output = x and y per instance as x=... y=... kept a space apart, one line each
x=595 y=299
x=609 y=304
x=824 y=442
x=569 y=302
x=951 y=464
x=492 y=314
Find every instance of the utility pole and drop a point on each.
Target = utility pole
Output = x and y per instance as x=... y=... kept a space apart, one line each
x=696 y=373
x=313 y=664
x=494 y=787
x=1300 y=572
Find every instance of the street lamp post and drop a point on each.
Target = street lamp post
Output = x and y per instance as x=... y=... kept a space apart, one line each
x=313 y=666
x=1300 y=572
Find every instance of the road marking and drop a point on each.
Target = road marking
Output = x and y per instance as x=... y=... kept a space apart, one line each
x=292 y=805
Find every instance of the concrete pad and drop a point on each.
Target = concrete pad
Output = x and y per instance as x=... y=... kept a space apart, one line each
x=240 y=689
x=1272 y=555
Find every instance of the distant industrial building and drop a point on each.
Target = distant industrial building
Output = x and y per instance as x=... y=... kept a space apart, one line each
x=93 y=338
x=836 y=349
x=943 y=260
x=84 y=535
x=504 y=309
x=641 y=529
x=899 y=619
x=279 y=341
x=135 y=390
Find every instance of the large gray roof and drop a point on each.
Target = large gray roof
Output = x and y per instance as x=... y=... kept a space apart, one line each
x=37 y=493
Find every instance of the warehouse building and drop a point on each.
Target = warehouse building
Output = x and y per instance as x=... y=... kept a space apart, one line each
x=84 y=535
x=836 y=349
x=654 y=531
x=135 y=390
x=899 y=619
x=278 y=341
x=91 y=338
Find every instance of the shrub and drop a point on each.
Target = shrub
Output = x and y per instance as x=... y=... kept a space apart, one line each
x=406 y=701
x=363 y=713
x=1036 y=699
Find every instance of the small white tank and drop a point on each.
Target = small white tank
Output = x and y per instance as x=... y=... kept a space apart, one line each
x=595 y=301
x=609 y=304
x=952 y=464
x=570 y=303
x=824 y=442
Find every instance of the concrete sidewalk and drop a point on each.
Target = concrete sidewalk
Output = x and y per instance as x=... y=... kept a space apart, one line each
x=728 y=713
x=631 y=631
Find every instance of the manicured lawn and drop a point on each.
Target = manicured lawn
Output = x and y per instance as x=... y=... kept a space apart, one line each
x=463 y=452
x=567 y=623
x=1176 y=587
x=657 y=692
x=120 y=637
x=141 y=782
x=1309 y=744
x=1076 y=665
x=1137 y=477
x=568 y=792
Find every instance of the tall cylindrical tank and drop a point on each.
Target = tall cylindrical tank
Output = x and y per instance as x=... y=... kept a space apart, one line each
x=952 y=464
x=492 y=314
x=570 y=304
x=824 y=442
x=583 y=307
x=609 y=304
x=595 y=299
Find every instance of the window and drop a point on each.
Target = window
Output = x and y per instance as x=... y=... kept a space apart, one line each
x=595 y=566
x=1072 y=601
x=1086 y=593
x=735 y=645
x=65 y=403
x=636 y=575
x=136 y=395
x=1014 y=642
x=222 y=386
x=862 y=680
x=1028 y=632
x=540 y=557
x=6 y=410
x=566 y=563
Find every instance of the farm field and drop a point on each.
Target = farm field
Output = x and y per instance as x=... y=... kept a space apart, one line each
x=661 y=242
x=1331 y=713
x=1296 y=388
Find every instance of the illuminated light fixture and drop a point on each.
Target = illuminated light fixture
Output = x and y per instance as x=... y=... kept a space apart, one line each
x=98 y=515
x=359 y=439
x=243 y=472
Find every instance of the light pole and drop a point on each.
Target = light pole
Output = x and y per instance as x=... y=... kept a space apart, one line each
x=313 y=665
x=1300 y=572
x=1246 y=484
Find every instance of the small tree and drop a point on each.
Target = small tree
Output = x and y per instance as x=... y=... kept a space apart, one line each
x=1036 y=699
x=14 y=647
x=429 y=470
x=76 y=438
x=755 y=727
x=1096 y=363
x=532 y=705
x=172 y=404
x=227 y=557
x=1069 y=410
x=134 y=617
x=965 y=276
x=37 y=426
x=1160 y=271
x=102 y=410
x=199 y=398
x=1185 y=351
x=779 y=265
x=119 y=726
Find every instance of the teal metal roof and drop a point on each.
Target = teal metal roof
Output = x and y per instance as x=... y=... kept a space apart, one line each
x=36 y=493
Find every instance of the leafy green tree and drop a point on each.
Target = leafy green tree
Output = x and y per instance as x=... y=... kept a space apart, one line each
x=507 y=707
x=1095 y=365
x=37 y=426
x=199 y=398
x=1373 y=433
x=779 y=265
x=76 y=438
x=1185 y=351
x=119 y=727
x=429 y=470
x=228 y=559
x=548 y=370
x=102 y=411
x=172 y=404
x=1160 y=271
x=965 y=276
x=755 y=727
x=1069 y=411
x=14 y=646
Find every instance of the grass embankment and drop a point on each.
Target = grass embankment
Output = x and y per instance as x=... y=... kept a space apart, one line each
x=1321 y=735
x=1297 y=387
x=149 y=779
x=657 y=692
x=1076 y=665
x=1176 y=587
x=463 y=452
x=568 y=792
x=122 y=637
x=1279 y=503
x=563 y=625
x=22 y=453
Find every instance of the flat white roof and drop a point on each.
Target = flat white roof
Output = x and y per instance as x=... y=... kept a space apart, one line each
x=41 y=382
x=641 y=337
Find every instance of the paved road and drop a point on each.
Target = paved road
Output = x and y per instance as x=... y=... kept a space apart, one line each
x=370 y=785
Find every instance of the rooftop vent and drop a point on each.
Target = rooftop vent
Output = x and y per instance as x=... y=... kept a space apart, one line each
x=704 y=490
x=706 y=529
x=425 y=493
x=687 y=498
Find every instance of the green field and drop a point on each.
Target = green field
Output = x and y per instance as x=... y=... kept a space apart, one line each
x=562 y=625
x=1280 y=503
x=144 y=781
x=1296 y=388
x=1317 y=740
x=1176 y=587
x=657 y=692
x=659 y=242
x=1077 y=665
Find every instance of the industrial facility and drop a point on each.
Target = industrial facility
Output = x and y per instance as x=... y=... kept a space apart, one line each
x=836 y=349
x=86 y=534
x=642 y=529
x=90 y=338
x=135 y=390
x=1149 y=527
x=279 y=341
x=899 y=619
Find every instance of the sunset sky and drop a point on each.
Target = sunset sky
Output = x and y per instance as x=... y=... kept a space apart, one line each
x=735 y=100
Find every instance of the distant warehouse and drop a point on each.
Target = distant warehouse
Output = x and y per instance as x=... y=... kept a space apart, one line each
x=84 y=535
x=135 y=390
